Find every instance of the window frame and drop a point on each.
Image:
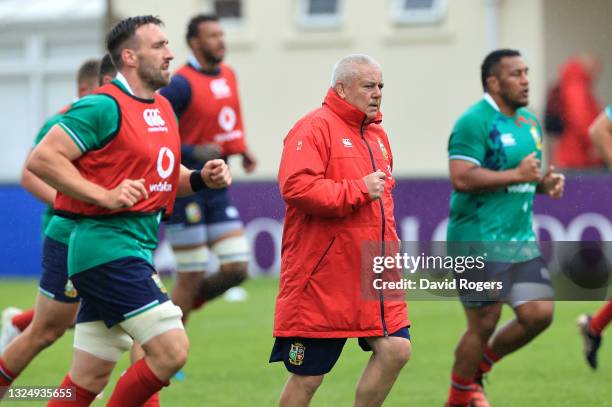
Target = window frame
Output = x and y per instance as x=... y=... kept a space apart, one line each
x=432 y=15
x=306 y=20
x=230 y=22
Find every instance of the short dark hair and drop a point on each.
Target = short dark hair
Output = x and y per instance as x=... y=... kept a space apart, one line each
x=123 y=31
x=106 y=68
x=194 y=23
x=88 y=71
x=491 y=62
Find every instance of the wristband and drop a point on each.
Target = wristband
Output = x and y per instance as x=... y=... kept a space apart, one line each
x=196 y=181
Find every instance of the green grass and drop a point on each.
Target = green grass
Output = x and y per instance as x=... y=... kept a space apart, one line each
x=230 y=344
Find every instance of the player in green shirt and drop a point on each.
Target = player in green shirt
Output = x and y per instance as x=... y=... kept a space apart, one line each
x=109 y=157
x=57 y=301
x=494 y=160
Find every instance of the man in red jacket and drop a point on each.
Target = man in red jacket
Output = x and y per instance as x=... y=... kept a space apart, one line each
x=579 y=107
x=335 y=178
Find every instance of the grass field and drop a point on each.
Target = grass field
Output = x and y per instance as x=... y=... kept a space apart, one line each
x=231 y=342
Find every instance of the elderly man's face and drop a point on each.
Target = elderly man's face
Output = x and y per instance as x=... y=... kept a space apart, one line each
x=363 y=90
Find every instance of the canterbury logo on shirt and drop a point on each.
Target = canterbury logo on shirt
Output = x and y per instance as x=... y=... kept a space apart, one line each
x=154 y=120
x=220 y=88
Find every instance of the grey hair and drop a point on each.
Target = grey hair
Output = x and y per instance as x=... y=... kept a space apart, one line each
x=344 y=69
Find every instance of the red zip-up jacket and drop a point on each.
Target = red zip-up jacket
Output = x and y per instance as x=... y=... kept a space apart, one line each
x=329 y=218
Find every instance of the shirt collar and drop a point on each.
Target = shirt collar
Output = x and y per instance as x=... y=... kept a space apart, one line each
x=491 y=101
x=121 y=79
x=193 y=61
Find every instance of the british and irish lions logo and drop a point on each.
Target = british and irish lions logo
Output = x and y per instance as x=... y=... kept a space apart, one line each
x=296 y=353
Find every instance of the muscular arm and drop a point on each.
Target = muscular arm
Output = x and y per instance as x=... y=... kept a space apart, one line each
x=469 y=177
x=601 y=134
x=51 y=161
x=37 y=186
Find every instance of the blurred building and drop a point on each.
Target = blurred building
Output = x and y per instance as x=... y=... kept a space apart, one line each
x=42 y=44
x=430 y=51
x=283 y=51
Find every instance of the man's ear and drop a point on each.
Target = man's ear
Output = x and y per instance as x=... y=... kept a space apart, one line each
x=493 y=84
x=129 y=58
x=340 y=90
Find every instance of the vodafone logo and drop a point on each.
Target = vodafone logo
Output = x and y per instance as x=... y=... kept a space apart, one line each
x=220 y=88
x=154 y=120
x=165 y=162
x=227 y=118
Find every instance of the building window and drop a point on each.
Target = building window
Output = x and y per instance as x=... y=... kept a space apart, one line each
x=230 y=10
x=418 y=11
x=320 y=13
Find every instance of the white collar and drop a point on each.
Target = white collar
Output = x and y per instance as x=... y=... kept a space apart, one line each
x=194 y=62
x=491 y=101
x=124 y=82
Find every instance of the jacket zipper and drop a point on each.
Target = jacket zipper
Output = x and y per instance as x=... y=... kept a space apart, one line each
x=382 y=240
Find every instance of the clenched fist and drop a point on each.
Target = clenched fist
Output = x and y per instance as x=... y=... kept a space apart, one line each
x=216 y=174
x=529 y=169
x=375 y=183
x=126 y=194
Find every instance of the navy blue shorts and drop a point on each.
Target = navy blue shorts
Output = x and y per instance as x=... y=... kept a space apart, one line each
x=118 y=290
x=316 y=356
x=203 y=208
x=54 y=281
x=521 y=282
x=202 y=217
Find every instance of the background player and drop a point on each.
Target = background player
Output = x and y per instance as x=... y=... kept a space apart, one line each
x=204 y=95
x=57 y=300
x=15 y=321
x=591 y=327
x=494 y=161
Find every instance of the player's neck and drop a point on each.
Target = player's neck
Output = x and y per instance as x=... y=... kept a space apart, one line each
x=137 y=87
x=206 y=65
x=503 y=107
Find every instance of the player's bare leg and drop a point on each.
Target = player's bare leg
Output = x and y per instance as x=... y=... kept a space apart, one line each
x=229 y=275
x=532 y=318
x=481 y=325
x=51 y=319
x=389 y=356
x=186 y=290
x=167 y=353
x=299 y=390
x=469 y=354
x=232 y=250
x=90 y=372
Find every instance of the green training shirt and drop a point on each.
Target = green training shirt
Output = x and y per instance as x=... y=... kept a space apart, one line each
x=608 y=111
x=55 y=227
x=489 y=139
x=91 y=123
